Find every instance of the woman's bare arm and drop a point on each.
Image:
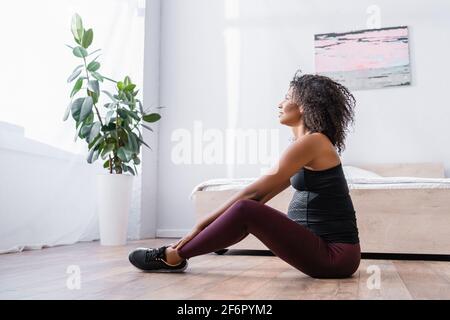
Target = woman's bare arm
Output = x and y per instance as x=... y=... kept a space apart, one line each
x=269 y=185
x=297 y=155
x=240 y=195
x=274 y=192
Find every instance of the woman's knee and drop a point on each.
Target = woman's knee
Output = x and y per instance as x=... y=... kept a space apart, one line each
x=244 y=203
x=244 y=207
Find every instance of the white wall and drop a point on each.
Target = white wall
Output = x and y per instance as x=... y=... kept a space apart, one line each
x=47 y=195
x=149 y=178
x=232 y=72
x=47 y=189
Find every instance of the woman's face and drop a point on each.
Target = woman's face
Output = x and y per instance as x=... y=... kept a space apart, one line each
x=290 y=113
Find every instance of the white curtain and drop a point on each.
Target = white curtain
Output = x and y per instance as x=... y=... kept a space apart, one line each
x=47 y=189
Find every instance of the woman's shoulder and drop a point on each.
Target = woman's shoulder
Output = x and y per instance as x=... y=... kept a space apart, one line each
x=325 y=155
x=315 y=138
x=320 y=137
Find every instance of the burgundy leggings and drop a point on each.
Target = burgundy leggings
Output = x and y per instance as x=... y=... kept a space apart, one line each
x=287 y=239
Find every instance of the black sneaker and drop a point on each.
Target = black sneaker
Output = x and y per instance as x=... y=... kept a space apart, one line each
x=154 y=260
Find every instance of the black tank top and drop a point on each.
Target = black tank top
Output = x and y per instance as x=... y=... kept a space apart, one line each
x=322 y=203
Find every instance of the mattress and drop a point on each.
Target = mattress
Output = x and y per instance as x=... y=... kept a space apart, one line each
x=353 y=183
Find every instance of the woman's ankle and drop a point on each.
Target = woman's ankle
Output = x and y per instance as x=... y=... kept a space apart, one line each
x=172 y=256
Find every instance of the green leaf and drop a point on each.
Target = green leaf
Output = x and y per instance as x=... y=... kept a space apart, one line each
x=146 y=127
x=95 y=59
x=110 y=127
x=133 y=143
x=88 y=36
x=80 y=52
x=110 y=139
x=136 y=160
x=120 y=96
x=129 y=87
x=120 y=85
x=94 y=96
x=95 y=155
x=97 y=140
x=77 y=27
x=128 y=94
x=97 y=76
x=78 y=68
x=95 y=130
x=84 y=131
x=109 y=95
x=74 y=75
x=125 y=102
x=144 y=143
x=131 y=170
x=76 y=108
x=106 y=164
x=139 y=131
x=77 y=133
x=94 y=86
x=127 y=81
x=152 y=117
x=133 y=115
x=124 y=154
x=86 y=126
x=91 y=155
x=93 y=66
x=140 y=106
x=122 y=113
x=109 y=79
x=76 y=87
x=108 y=117
x=89 y=119
x=123 y=135
x=110 y=147
x=86 y=108
x=67 y=112
x=93 y=148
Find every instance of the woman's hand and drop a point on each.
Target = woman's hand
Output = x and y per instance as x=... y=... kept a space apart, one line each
x=196 y=230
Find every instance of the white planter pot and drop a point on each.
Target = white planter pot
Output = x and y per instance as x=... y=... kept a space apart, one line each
x=113 y=206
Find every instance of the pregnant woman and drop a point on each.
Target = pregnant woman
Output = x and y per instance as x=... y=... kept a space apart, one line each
x=319 y=235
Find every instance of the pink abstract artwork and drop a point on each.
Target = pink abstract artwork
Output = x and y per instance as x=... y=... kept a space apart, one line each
x=365 y=59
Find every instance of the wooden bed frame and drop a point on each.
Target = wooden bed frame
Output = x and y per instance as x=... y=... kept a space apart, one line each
x=411 y=221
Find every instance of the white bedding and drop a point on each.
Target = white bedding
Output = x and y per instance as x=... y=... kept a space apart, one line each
x=353 y=183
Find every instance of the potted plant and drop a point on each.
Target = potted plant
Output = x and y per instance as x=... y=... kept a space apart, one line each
x=112 y=132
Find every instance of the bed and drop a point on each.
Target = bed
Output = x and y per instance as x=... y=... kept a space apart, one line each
x=400 y=208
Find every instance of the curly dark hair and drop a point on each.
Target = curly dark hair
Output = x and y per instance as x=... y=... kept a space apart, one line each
x=328 y=106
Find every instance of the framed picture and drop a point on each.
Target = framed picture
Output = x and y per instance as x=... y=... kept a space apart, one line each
x=365 y=59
